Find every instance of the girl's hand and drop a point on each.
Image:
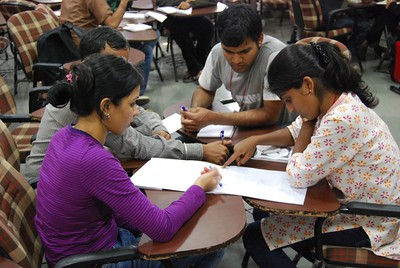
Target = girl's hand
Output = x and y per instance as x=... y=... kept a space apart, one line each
x=209 y=179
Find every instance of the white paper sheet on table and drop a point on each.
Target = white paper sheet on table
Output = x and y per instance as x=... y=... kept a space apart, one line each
x=172 y=122
x=179 y=175
x=137 y=27
x=213 y=131
x=174 y=10
x=138 y=16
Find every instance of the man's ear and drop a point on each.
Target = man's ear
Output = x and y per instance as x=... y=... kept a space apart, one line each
x=260 y=40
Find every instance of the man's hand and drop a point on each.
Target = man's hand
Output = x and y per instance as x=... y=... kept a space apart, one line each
x=216 y=152
x=163 y=134
x=196 y=118
x=243 y=151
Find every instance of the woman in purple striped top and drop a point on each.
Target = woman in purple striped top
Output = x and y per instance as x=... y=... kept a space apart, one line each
x=85 y=200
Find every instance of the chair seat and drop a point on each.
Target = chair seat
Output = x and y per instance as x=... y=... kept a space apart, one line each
x=347 y=255
x=23 y=135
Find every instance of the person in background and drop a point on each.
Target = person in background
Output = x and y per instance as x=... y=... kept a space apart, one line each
x=337 y=137
x=240 y=63
x=183 y=31
x=89 y=14
x=148 y=138
x=107 y=40
x=86 y=202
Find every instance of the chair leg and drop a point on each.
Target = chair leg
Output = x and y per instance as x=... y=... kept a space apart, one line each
x=158 y=69
x=246 y=259
x=171 y=44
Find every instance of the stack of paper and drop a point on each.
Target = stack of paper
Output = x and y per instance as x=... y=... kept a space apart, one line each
x=214 y=131
x=174 y=10
x=138 y=16
x=137 y=27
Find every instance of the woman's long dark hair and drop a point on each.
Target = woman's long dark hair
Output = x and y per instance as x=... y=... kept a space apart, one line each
x=99 y=76
x=323 y=62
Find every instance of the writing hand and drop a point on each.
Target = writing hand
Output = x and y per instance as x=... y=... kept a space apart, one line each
x=196 y=118
x=209 y=179
x=185 y=4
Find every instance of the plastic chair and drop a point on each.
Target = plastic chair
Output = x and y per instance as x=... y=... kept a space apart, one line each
x=25 y=28
x=20 y=240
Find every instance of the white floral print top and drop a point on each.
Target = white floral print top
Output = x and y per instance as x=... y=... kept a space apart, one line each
x=354 y=150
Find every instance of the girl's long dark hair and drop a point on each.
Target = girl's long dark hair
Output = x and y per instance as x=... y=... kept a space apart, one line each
x=99 y=76
x=323 y=62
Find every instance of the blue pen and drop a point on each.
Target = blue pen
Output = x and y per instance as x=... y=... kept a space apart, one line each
x=222 y=135
x=183 y=108
x=215 y=177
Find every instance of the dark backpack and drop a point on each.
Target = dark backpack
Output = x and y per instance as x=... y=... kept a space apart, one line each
x=56 y=46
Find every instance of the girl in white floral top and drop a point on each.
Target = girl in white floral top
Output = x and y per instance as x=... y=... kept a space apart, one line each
x=338 y=137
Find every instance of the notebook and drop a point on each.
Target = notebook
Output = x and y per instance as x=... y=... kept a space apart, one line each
x=214 y=131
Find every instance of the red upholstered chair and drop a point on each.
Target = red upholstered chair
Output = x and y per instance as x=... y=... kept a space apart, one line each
x=8 y=148
x=25 y=28
x=24 y=132
x=279 y=5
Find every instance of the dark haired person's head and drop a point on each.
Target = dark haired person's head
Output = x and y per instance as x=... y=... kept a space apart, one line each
x=237 y=23
x=103 y=39
x=314 y=70
x=240 y=30
x=101 y=85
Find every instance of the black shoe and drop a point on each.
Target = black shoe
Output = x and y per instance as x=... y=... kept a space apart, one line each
x=395 y=89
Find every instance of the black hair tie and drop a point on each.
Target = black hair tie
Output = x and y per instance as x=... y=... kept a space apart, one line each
x=321 y=53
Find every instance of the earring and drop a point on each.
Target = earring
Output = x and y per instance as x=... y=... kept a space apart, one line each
x=108 y=116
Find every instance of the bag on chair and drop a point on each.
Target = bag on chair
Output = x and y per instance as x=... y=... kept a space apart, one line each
x=395 y=62
x=57 y=46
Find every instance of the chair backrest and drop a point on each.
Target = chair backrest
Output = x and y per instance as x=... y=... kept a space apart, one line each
x=25 y=29
x=345 y=51
x=19 y=237
x=312 y=14
x=7 y=101
x=11 y=7
x=45 y=9
x=8 y=147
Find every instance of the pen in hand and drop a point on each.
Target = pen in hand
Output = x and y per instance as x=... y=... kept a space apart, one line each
x=222 y=136
x=219 y=183
x=183 y=108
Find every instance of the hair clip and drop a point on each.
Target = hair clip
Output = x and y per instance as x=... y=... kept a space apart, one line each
x=321 y=53
x=69 y=77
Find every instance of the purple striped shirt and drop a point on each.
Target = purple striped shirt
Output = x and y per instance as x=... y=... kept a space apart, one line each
x=83 y=187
